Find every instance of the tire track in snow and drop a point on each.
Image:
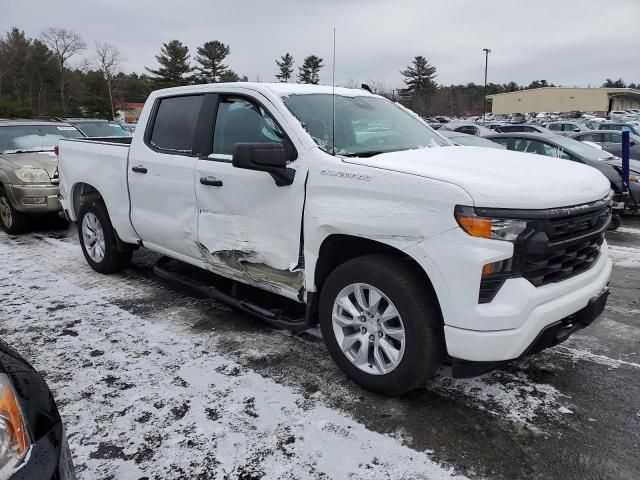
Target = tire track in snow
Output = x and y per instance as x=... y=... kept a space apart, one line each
x=140 y=399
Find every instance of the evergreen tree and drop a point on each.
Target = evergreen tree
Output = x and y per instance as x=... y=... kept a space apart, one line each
x=174 y=65
x=420 y=84
x=285 y=64
x=309 y=72
x=210 y=57
x=614 y=83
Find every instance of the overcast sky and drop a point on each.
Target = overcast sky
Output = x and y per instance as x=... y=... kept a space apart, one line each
x=579 y=42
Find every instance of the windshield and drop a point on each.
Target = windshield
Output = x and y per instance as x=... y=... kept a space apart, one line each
x=103 y=129
x=34 y=138
x=364 y=126
x=581 y=149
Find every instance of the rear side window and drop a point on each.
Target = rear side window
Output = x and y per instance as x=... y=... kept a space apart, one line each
x=175 y=123
x=555 y=126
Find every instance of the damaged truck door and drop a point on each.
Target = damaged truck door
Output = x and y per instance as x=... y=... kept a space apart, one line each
x=249 y=221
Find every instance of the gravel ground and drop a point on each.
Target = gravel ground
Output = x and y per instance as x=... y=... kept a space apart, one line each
x=153 y=382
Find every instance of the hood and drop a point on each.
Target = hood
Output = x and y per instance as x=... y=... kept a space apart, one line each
x=45 y=160
x=634 y=165
x=499 y=178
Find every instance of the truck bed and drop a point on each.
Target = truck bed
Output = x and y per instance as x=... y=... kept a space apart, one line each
x=101 y=163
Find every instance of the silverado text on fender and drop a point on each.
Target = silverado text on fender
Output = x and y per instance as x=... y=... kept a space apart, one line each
x=403 y=248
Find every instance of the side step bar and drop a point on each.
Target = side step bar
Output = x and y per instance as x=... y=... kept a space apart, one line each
x=297 y=325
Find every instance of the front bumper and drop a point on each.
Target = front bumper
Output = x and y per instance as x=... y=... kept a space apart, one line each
x=565 y=299
x=23 y=198
x=550 y=336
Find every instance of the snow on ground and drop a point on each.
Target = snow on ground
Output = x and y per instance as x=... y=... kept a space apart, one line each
x=510 y=396
x=140 y=399
x=628 y=257
x=631 y=230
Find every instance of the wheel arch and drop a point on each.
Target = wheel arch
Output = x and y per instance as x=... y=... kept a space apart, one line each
x=336 y=249
x=82 y=193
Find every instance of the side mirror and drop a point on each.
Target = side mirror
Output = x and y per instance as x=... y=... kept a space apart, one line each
x=264 y=157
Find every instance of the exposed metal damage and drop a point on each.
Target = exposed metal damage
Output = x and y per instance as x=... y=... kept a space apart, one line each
x=246 y=266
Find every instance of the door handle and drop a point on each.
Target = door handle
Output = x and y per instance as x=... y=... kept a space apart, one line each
x=139 y=169
x=211 y=181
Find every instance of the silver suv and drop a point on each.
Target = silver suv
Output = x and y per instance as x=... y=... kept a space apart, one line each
x=29 y=170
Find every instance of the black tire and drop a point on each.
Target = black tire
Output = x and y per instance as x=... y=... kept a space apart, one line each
x=113 y=260
x=18 y=222
x=616 y=222
x=407 y=288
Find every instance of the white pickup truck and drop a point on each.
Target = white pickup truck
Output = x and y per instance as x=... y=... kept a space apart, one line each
x=406 y=250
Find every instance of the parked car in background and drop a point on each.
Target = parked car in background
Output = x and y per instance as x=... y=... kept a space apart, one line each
x=33 y=444
x=571 y=150
x=95 y=127
x=594 y=123
x=518 y=118
x=467 y=127
x=565 y=128
x=618 y=114
x=610 y=141
x=522 y=127
x=464 y=139
x=29 y=170
x=620 y=126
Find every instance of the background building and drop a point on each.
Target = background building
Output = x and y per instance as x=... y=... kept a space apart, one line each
x=561 y=99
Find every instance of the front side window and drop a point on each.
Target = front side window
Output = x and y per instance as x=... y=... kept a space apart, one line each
x=175 y=124
x=364 y=126
x=242 y=121
x=34 y=138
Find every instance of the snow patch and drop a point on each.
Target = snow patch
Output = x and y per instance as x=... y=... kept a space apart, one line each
x=511 y=396
x=141 y=399
x=628 y=257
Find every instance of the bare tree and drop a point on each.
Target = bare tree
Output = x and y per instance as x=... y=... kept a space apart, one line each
x=64 y=44
x=108 y=58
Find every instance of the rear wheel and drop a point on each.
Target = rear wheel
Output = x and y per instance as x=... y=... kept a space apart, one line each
x=11 y=221
x=98 y=239
x=381 y=323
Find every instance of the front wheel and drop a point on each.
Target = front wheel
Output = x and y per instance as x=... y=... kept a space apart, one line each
x=98 y=239
x=11 y=220
x=381 y=323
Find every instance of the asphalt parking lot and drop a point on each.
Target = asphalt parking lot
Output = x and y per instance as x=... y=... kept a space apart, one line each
x=153 y=382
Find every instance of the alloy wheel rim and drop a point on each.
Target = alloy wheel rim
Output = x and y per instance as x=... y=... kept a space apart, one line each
x=5 y=212
x=93 y=237
x=368 y=328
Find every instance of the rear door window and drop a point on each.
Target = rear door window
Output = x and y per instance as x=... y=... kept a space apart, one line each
x=175 y=124
x=555 y=127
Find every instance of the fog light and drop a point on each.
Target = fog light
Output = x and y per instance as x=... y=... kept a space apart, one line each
x=495 y=268
x=34 y=200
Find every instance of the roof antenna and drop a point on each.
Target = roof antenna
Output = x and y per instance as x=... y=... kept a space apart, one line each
x=333 y=97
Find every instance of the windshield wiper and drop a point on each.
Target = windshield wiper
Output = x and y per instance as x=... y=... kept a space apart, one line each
x=371 y=153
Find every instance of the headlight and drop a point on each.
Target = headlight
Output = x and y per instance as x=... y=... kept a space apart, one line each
x=33 y=175
x=14 y=438
x=495 y=228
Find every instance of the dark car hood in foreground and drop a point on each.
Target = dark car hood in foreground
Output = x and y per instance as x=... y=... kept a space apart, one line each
x=45 y=160
x=49 y=457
